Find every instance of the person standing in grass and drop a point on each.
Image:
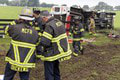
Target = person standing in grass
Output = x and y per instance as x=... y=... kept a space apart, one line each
x=56 y=47
x=21 y=55
x=92 y=26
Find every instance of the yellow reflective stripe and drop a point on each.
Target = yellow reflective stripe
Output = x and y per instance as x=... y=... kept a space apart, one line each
x=20 y=69
x=68 y=44
x=1 y=26
x=26 y=46
x=37 y=28
x=38 y=42
x=30 y=53
x=40 y=34
x=70 y=33
x=39 y=56
x=13 y=23
x=59 y=47
x=13 y=62
x=75 y=54
x=47 y=35
x=16 y=53
x=81 y=47
x=23 y=44
x=90 y=32
x=2 y=31
x=62 y=36
x=57 y=39
x=82 y=30
x=52 y=58
x=6 y=30
x=65 y=58
x=31 y=23
x=77 y=39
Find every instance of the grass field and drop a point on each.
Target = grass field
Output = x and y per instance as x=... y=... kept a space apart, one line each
x=117 y=20
x=12 y=12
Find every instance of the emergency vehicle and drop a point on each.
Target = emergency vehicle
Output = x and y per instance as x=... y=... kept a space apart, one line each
x=66 y=14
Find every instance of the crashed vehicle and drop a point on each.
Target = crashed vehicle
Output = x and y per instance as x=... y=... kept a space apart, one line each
x=103 y=20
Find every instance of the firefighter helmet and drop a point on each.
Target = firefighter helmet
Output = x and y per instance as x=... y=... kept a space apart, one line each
x=26 y=14
x=36 y=11
x=45 y=13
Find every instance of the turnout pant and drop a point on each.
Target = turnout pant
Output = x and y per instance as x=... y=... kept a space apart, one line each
x=77 y=46
x=52 y=71
x=9 y=74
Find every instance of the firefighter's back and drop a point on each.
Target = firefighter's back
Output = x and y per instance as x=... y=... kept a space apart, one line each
x=24 y=33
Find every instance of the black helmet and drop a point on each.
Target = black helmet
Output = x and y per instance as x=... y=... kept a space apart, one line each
x=36 y=11
x=45 y=13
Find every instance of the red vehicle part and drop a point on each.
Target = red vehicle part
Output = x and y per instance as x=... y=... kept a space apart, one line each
x=68 y=19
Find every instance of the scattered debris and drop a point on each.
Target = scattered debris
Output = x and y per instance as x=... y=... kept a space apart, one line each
x=112 y=35
x=89 y=40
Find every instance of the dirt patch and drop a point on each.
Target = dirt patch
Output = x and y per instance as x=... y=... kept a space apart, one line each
x=97 y=63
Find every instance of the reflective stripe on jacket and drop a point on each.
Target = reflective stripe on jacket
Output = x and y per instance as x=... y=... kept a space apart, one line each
x=55 y=42
x=21 y=54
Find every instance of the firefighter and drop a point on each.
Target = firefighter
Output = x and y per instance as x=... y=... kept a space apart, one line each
x=21 y=55
x=92 y=26
x=38 y=23
x=77 y=31
x=56 y=47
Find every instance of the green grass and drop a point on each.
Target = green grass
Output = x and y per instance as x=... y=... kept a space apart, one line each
x=12 y=12
x=5 y=40
x=117 y=20
x=4 y=43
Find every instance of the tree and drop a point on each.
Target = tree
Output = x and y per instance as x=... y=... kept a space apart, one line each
x=103 y=6
x=23 y=2
x=14 y=3
x=3 y=1
x=34 y=3
x=117 y=7
x=46 y=5
x=64 y=5
x=31 y=3
x=86 y=7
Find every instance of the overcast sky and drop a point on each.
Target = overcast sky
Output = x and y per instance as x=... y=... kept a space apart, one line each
x=82 y=2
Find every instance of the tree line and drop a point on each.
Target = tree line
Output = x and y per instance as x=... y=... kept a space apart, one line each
x=30 y=3
x=102 y=6
x=36 y=3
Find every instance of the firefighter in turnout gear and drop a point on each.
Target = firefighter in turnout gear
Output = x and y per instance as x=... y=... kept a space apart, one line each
x=92 y=26
x=21 y=55
x=38 y=23
x=55 y=42
x=77 y=31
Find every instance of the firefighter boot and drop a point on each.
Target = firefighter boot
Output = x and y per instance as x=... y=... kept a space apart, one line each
x=82 y=50
x=75 y=54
